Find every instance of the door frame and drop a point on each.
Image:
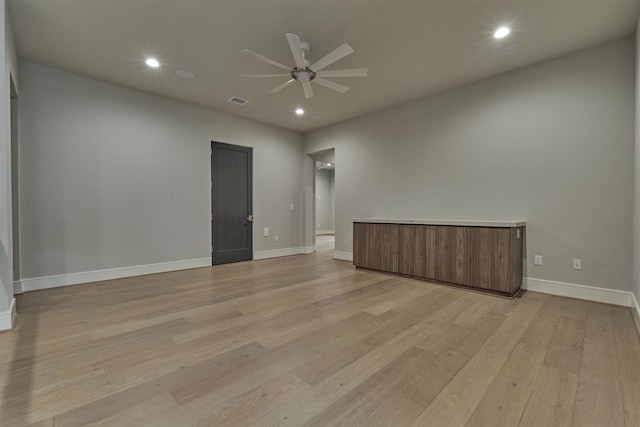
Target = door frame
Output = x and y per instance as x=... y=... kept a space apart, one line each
x=14 y=228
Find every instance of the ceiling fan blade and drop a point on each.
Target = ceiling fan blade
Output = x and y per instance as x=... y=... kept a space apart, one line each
x=296 y=50
x=331 y=85
x=265 y=59
x=265 y=75
x=282 y=86
x=308 y=90
x=337 y=54
x=353 y=72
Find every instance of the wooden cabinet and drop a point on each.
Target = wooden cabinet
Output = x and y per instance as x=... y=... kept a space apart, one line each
x=417 y=253
x=379 y=246
x=482 y=257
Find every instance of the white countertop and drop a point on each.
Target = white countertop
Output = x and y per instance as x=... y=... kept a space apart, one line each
x=463 y=223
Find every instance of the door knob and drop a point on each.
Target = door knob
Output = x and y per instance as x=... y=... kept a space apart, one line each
x=250 y=218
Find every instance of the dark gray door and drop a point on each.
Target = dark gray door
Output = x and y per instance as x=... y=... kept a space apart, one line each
x=231 y=223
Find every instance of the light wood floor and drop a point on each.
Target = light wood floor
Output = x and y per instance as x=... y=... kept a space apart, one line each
x=307 y=340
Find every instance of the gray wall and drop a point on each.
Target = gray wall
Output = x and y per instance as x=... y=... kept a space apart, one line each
x=113 y=177
x=551 y=144
x=325 y=200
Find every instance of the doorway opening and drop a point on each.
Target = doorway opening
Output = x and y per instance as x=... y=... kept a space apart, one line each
x=324 y=210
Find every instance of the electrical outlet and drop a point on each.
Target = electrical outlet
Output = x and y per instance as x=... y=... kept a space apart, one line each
x=275 y=238
x=577 y=264
x=538 y=259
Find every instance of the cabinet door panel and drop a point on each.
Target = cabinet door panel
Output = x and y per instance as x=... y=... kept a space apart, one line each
x=431 y=252
x=364 y=236
x=359 y=238
x=388 y=247
x=407 y=256
x=420 y=251
x=446 y=243
x=465 y=260
x=502 y=260
x=485 y=246
x=373 y=247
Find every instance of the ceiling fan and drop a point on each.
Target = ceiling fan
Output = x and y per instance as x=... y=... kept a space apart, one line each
x=305 y=72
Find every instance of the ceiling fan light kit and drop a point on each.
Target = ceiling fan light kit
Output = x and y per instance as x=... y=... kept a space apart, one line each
x=305 y=75
x=305 y=72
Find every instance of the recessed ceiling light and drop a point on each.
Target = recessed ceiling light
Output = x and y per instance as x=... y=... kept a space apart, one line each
x=299 y=111
x=502 y=32
x=152 y=62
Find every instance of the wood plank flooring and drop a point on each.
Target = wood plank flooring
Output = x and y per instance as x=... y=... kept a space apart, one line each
x=309 y=341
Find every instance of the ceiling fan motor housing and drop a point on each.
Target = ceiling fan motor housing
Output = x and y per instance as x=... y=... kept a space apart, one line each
x=303 y=74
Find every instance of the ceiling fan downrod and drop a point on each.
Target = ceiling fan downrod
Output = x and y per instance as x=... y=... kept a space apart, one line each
x=305 y=74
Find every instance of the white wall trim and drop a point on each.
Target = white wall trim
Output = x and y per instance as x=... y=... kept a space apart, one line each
x=8 y=318
x=322 y=232
x=344 y=256
x=308 y=249
x=275 y=253
x=635 y=311
x=17 y=287
x=572 y=290
x=47 y=282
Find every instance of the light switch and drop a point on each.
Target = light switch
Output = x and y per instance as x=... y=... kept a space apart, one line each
x=538 y=260
x=266 y=232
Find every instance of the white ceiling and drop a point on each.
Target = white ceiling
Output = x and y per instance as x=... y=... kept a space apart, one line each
x=412 y=48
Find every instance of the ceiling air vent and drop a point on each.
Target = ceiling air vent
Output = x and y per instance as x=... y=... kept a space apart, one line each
x=237 y=100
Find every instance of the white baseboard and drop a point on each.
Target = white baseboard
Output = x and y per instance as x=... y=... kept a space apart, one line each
x=344 y=256
x=47 y=282
x=308 y=249
x=8 y=318
x=635 y=311
x=322 y=232
x=572 y=290
x=17 y=287
x=275 y=253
